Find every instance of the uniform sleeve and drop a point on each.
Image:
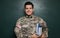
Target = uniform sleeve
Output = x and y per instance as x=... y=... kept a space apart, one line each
x=44 y=28
x=17 y=28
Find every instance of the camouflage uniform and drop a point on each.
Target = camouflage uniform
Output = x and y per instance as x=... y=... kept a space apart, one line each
x=28 y=26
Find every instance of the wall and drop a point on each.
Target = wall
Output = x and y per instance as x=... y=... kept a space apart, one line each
x=11 y=10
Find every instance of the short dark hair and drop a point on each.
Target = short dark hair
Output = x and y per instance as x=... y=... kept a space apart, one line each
x=28 y=3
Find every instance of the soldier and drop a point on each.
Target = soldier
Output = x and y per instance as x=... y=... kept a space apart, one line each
x=26 y=26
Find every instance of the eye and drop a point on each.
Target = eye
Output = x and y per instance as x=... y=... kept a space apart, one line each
x=30 y=8
x=26 y=8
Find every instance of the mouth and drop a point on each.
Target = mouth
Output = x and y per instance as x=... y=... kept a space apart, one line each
x=28 y=11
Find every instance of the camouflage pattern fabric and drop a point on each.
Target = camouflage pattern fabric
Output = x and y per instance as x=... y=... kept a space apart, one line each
x=27 y=26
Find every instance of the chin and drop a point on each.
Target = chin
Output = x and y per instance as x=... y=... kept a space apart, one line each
x=28 y=14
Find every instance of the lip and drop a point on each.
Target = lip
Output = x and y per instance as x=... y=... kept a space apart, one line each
x=28 y=11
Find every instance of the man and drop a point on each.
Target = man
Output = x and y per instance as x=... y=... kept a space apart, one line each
x=26 y=26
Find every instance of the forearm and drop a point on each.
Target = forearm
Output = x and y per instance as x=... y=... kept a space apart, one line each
x=16 y=30
x=45 y=32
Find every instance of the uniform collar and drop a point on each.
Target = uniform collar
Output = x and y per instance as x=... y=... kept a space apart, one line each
x=29 y=16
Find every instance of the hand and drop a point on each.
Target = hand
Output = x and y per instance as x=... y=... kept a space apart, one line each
x=34 y=36
x=43 y=35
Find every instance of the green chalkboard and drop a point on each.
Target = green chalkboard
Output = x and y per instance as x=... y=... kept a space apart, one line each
x=11 y=10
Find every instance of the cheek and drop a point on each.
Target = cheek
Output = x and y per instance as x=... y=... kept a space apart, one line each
x=31 y=10
x=26 y=10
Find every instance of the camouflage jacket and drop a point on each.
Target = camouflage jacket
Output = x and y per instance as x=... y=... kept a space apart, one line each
x=25 y=26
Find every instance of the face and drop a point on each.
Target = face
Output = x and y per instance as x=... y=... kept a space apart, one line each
x=29 y=10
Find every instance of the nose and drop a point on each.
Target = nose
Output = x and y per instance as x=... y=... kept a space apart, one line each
x=28 y=10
